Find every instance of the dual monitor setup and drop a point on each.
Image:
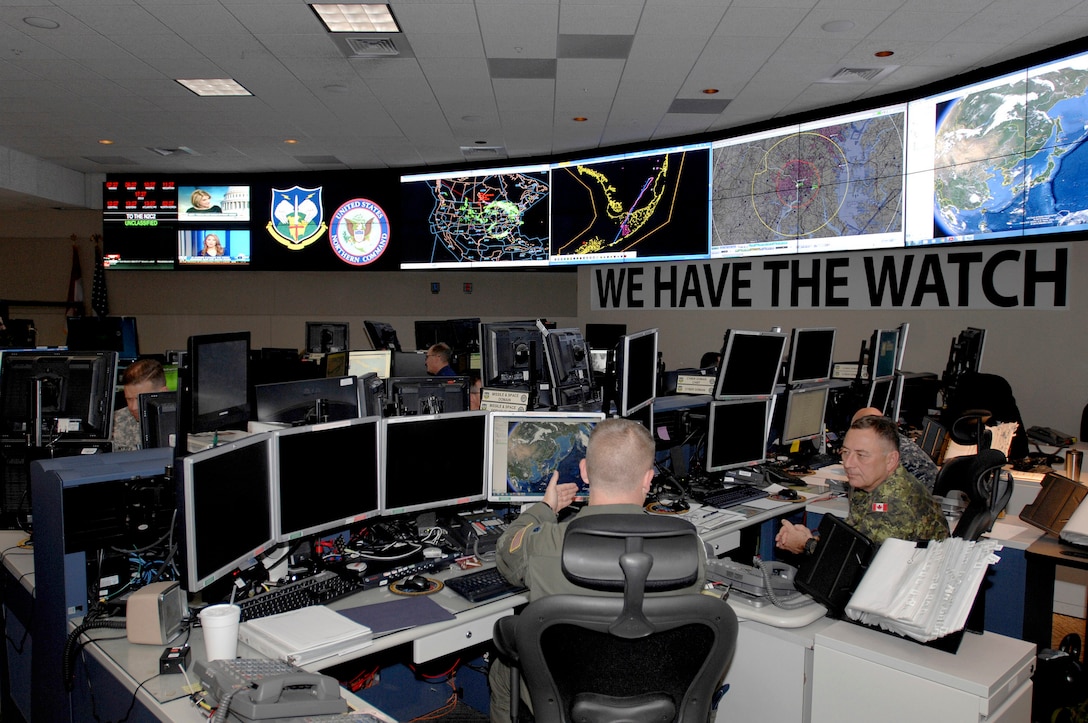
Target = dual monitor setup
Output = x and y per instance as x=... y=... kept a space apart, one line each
x=266 y=489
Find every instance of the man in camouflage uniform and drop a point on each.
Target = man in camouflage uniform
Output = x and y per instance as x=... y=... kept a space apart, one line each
x=911 y=456
x=140 y=377
x=619 y=469
x=885 y=499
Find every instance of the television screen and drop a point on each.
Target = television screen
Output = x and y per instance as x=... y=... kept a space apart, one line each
x=212 y=203
x=524 y=448
x=812 y=353
x=750 y=364
x=644 y=206
x=486 y=218
x=737 y=433
x=213 y=246
x=308 y=401
x=69 y=394
x=636 y=371
x=227 y=506
x=351 y=448
x=218 y=388
x=410 y=480
x=804 y=419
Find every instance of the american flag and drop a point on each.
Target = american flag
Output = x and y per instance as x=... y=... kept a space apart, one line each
x=99 y=300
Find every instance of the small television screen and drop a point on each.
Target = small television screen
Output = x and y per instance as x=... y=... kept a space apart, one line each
x=883 y=353
x=308 y=401
x=218 y=372
x=214 y=247
x=104 y=333
x=812 y=353
x=636 y=371
x=212 y=203
x=227 y=492
x=324 y=337
x=737 y=433
x=410 y=480
x=379 y=361
x=524 y=448
x=805 y=407
x=512 y=354
x=352 y=448
x=158 y=419
x=70 y=394
x=427 y=395
x=750 y=364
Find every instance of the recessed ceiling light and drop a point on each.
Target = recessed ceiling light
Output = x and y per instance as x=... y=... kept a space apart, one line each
x=579 y=119
x=214 y=86
x=884 y=53
x=837 y=26
x=356 y=17
x=106 y=142
x=290 y=141
x=43 y=23
x=710 y=91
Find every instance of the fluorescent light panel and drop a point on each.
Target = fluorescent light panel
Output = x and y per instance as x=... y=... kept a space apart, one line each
x=356 y=17
x=214 y=86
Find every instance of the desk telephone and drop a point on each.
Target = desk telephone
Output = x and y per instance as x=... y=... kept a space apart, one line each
x=259 y=689
x=751 y=580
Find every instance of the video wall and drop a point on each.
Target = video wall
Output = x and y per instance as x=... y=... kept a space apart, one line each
x=997 y=159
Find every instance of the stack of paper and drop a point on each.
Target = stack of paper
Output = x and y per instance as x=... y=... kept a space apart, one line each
x=1075 y=531
x=923 y=593
x=305 y=635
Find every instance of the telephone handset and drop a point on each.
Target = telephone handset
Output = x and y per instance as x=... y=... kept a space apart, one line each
x=258 y=689
x=752 y=580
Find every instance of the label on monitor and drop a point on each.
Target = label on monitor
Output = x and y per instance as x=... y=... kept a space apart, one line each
x=694 y=384
x=503 y=400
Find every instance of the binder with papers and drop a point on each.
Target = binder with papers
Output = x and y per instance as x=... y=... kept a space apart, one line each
x=305 y=636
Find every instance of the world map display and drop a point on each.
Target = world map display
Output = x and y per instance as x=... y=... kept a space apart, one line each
x=1007 y=158
x=535 y=449
x=842 y=179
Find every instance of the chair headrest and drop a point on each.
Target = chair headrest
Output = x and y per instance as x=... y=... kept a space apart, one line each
x=593 y=545
x=970 y=428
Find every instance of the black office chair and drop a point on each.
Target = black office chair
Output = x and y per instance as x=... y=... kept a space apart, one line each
x=979 y=477
x=631 y=657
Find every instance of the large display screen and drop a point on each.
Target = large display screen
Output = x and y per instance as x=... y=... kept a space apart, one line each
x=994 y=159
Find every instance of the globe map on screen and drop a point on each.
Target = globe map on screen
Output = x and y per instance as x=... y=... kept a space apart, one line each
x=536 y=448
x=1008 y=158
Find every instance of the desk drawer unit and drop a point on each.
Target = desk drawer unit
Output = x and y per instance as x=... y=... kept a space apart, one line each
x=451 y=640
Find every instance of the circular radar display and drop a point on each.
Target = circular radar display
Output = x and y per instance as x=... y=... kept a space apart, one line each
x=793 y=193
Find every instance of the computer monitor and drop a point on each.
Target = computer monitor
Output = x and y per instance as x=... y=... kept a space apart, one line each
x=737 y=433
x=158 y=419
x=433 y=461
x=805 y=408
x=512 y=354
x=636 y=371
x=604 y=336
x=104 y=333
x=350 y=448
x=894 y=405
x=227 y=508
x=880 y=392
x=812 y=352
x=901 y=344
x=75 y=399
x=372 y=394
x=336 y=364
x=382 y=335
x=323 y=337
x=524 y=448
x=379 y=361
x=409 y=364
x=218 y=382
x=427 y=395
x=308 y=401
x=750 y=363
x=566 y=358
x=883 y=352
x=965 y=354
x=460 y=334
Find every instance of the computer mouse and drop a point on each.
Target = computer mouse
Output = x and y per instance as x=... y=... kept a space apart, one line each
x=788 y=494
x=415 y=583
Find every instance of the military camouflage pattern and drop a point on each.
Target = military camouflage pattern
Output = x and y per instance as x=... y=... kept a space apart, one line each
x=901 y=507
x=126 y=431
x=917 y=462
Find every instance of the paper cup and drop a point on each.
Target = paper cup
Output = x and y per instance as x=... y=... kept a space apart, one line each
x=220 y=624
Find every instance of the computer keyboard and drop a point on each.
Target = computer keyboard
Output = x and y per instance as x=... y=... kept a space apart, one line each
x=733 y=496
x=481 y=585
x=319 y=589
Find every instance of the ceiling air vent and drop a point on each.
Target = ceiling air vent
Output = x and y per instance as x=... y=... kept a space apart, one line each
x=180 y=150
x=472 y=152
x=371 y=47
x=858 y=75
